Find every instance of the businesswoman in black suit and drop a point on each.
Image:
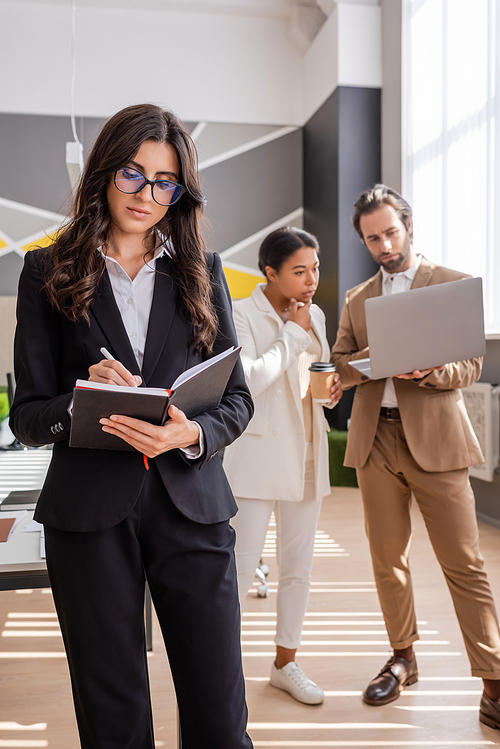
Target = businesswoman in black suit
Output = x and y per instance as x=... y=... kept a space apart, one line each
x=129 y=273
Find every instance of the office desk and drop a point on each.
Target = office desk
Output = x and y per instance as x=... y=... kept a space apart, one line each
x=21 y=565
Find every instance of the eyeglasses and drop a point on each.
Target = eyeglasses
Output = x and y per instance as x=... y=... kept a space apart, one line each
x=164 y=191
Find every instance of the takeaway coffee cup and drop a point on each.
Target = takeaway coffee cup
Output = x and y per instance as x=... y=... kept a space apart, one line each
x=321 y=380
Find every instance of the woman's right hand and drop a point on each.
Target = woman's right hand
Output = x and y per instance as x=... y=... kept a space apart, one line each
x=300 y=314
x=112 y=372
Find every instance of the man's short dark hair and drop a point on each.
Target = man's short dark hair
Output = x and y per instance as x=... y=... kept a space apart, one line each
x=379 y=195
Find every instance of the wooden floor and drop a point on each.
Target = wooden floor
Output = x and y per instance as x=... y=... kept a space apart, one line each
x=344 y=645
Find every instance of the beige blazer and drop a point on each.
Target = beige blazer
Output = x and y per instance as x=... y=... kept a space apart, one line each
x=267 y=461
x=437 y=429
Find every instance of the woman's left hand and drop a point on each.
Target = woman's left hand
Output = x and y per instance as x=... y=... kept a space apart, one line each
x=153 y=440
x=336 y=389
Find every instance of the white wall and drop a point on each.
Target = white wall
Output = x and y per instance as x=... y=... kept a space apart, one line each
x=321 y=67
x=214 y=67
x=223 y=68
x=346 y=52
x=359 y=45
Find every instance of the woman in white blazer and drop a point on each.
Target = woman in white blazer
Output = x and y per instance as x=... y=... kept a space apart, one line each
x=280 y=463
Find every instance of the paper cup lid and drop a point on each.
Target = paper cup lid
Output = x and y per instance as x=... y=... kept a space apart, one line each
x=322 y=366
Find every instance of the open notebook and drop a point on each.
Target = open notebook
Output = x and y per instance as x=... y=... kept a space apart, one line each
x=195 y=391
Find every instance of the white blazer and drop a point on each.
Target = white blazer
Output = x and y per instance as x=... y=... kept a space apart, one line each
x=268 y=460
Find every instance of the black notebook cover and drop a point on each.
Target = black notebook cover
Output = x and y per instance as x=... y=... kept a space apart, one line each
x=201 y=393
x=91 y=405
x=25 y=499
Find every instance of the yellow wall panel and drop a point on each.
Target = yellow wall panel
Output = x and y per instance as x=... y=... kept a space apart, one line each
x=44 y=241
x=241 y=284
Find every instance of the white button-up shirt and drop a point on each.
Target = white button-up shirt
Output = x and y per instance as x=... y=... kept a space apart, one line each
x=134 y=299
x=394 y=283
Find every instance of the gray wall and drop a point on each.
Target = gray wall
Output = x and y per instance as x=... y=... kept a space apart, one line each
x=245 y=193
x=341 y=159
x=252 y=190
x=33 y=158
x=33 y=172
x=488 y=493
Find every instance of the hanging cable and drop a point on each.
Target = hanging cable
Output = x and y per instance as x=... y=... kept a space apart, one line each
x=74 y=149
x=73 y=71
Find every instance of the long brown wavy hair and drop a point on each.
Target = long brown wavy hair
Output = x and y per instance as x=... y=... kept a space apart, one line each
x=75 y=267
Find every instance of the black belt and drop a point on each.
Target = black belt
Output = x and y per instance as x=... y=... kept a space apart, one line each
x=391 y=414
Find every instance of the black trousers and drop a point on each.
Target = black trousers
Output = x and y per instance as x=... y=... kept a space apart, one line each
x=98 y=582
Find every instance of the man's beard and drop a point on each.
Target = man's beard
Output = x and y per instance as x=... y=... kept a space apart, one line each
x=393 y=266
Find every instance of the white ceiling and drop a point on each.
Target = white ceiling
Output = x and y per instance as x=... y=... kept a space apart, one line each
x=266 y=8
x=269 y=8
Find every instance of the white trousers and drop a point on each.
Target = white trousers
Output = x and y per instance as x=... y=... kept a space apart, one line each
x=296 y=524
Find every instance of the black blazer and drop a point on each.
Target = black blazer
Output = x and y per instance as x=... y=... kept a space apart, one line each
x=89 y=490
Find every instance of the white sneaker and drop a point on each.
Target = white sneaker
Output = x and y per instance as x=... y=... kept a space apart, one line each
x=293 y=680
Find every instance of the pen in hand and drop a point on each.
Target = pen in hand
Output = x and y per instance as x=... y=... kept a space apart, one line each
x=106 y=354
x=135 y=381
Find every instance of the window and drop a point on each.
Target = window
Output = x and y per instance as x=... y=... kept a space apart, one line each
x=452 y=159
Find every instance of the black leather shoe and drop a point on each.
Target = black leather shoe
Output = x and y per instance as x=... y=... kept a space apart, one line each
x=489 y=711
x=397 y=674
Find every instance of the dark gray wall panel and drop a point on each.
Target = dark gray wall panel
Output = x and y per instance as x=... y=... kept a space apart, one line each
x=359 y=169
x=252 y=190
x=321 y=215
x=341 y=159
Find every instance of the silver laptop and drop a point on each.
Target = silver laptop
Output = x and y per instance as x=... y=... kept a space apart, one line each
x=423 y=328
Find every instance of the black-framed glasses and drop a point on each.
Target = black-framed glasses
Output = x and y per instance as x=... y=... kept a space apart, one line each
x=164 y=191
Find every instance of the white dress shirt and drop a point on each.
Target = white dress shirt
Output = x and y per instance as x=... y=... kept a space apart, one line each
x=134 y=299
x=394 y=283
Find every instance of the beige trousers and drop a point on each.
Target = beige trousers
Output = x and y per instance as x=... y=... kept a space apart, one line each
x=447 y=504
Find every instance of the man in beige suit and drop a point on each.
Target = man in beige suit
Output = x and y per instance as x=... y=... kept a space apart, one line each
x=411 y=434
